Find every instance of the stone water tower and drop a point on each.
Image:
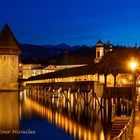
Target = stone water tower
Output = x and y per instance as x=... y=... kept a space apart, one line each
x=9 y=60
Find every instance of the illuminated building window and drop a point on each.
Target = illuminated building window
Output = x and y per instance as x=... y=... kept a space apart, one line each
x=101 y=79
x=110 y=80
x=124 y=80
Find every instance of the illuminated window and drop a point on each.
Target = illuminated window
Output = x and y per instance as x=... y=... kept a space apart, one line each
x=101 y=79
x=110 y=80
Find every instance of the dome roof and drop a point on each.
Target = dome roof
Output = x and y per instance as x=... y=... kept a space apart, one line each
x=99 y=43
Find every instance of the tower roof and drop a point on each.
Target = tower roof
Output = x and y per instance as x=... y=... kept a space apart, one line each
x=99 y=43
x=108 y=45
x=8 y=43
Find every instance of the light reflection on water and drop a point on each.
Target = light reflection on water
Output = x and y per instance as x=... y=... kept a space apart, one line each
x=81 y=121
x=9 y=111
x=68 y=124
x=18 y=111
x=9 y=115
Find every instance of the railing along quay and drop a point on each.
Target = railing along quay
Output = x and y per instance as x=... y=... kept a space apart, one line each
x=123 y=128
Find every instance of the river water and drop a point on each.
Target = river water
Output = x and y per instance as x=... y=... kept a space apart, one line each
x=24 y=117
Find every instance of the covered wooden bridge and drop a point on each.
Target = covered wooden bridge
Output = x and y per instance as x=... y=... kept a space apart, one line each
x=111 y=74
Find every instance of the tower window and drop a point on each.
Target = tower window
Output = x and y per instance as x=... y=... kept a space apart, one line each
x=98 y=54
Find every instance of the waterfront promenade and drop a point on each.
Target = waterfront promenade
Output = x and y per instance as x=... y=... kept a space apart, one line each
x=136 y=130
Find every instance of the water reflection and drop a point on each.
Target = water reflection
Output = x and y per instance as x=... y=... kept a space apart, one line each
x=80 y=114
x=74 y=118
x=9 y=115
x=70 y=126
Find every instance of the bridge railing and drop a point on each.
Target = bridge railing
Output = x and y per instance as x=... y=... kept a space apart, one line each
x=126 y=132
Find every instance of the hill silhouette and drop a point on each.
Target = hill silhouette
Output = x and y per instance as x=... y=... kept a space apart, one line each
x=57 y=54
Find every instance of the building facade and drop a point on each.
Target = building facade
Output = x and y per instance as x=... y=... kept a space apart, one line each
x=29 y=70
x=9 y=60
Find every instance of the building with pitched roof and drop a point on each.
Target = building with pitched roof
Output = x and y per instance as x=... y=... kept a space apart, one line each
x=9 y=60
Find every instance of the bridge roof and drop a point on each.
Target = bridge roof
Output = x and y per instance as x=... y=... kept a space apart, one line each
x=77 y=71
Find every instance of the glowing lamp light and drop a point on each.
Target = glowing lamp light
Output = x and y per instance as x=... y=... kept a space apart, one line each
x=133 y=65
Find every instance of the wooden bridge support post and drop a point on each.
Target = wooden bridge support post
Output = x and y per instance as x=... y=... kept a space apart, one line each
x=86 y=98
x=105 y=82
x=115 y=79
x=94 y=103
x=101 y=109
x=66 y=99
x=104 y=108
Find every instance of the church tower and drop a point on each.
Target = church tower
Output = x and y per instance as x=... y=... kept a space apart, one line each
x=9 y=60
x=108 y=47
x=99 y=51
x=102 y=49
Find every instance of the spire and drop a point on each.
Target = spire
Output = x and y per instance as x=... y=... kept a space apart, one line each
x=7 y=40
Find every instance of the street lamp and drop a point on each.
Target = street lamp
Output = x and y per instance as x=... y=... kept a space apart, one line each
x=133 y=65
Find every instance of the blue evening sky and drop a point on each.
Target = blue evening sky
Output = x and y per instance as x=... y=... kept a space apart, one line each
x=75 y=22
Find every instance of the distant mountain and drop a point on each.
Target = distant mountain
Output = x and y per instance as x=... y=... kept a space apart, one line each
x=80 y=55
x=56 y=54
